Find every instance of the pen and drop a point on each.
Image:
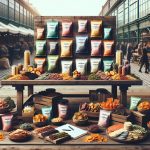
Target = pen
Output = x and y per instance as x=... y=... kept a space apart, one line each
x=66 y=130
x=71 y=128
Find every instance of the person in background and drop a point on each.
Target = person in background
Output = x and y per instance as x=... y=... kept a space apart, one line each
x=129 y=52
x=123 y=48
x=144 y=59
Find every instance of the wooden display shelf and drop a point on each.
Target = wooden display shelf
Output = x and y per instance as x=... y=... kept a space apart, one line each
x=20 y=84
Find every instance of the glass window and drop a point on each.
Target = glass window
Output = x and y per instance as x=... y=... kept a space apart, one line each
x=28 y=18
x=11 y=9
x=133 y=11
x=16 y=11
x=4 y=8
x=25 y=16
x=144 y=7
x=21 y=14
x=120 y=15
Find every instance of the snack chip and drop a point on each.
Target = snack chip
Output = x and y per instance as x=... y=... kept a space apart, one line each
x=66 y=28
x=82 y=26
x=53 y=48
x=40 y=48
x=81 y=44
x=107 y=33
x=66 y=66
x=40 y=33
x=96 y=46
x=66 y=48
x=95 y=63
x=96 y=28
x=52 y=63
x=52 y=29
x=81 y=66
x=108 y=48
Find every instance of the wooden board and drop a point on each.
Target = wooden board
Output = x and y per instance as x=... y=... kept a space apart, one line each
x=71 y=82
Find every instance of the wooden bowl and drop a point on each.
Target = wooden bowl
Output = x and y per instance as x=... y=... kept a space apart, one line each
x=4 y=110
x=81 y=122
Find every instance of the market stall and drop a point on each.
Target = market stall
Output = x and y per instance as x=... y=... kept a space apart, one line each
x=75 y=51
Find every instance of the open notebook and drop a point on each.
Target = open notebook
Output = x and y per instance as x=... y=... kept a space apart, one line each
x=73 y=131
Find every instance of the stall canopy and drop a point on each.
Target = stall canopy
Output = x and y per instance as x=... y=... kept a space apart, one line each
x=15 y=30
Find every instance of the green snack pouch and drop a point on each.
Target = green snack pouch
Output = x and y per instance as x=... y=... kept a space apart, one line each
x=107 y=33
x=40 y=48
x=52 y=29
x=107 y=64
x=52 y=63
x=46 y=111
x=134 y=102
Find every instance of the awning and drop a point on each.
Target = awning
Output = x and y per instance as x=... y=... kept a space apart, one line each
x=15 y=30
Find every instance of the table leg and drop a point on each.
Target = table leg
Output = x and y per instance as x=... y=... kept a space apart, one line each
x=30 y=90
x=19 y=99
x=114 y=91
x=123 y=94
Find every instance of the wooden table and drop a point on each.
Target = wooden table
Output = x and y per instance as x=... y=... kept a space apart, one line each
x=20 y=84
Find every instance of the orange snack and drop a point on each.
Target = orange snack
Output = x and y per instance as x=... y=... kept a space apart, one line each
x=114 y=128
x=39 y=118
x=144 y=105
x=1 y=136
x=95 y=138
x=110 y=104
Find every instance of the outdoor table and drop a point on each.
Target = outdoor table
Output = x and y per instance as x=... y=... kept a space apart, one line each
x=20 y=84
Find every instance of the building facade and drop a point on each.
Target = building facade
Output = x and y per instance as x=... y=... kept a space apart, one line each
x=132 y=18
x=17 y=12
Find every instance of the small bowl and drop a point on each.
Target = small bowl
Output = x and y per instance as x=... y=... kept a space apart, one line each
x=40 y=124
x=81 y=122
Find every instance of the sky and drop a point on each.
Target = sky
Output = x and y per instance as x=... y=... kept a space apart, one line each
x=68 y=7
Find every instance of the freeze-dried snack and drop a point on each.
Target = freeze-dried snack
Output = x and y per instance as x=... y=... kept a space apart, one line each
x=108 y=48
x=95 y=64
x=53 y=48
x=40 y=33
x=66 y=28
x=82 y=26
x=66 y=66
x=66 y=48
x=81 y=66
x=52 y=29
x=96 y=28
x=52 y=63
x=40 y=48
x=96 y=47
x=108 y=33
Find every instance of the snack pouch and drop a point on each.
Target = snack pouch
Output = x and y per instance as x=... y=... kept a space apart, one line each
x=104 y=117
x=7 y=122
x=81 y=44
x=66 y=28
x=82 y=26
x=63 y=109
x=108 y=48
x=40 y=62
x=52 y=29
x=53 y=48
x=52 y=63
x=107 y=63
x=134 y=102
x=95 y=62
x=66 y=48
x=96 y=47
x=39 y=33
x=81 y=66
x=40 y=48
x=107 y=33
x=66 y=66
x=96 y=28
x=46 y=111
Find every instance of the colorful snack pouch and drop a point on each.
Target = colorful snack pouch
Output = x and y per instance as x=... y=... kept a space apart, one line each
x=52 y=63
x=81 y=66
x=52 y=29
x=82 y=26
x=96 y=46
x=66 y=48
x=67 y=28
x=107 y=63
x=134 y=102
x=108 y=48
x=95 y=63
x=63 y=110
x=46 y=111
x=96 y=28
x=53 y=48
x=104 y=117
x=107 y=33
x=66 y=66
x=40 y=48
x=40 y=62
x=81 y=44
x=40 y=33
x=7 y=122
